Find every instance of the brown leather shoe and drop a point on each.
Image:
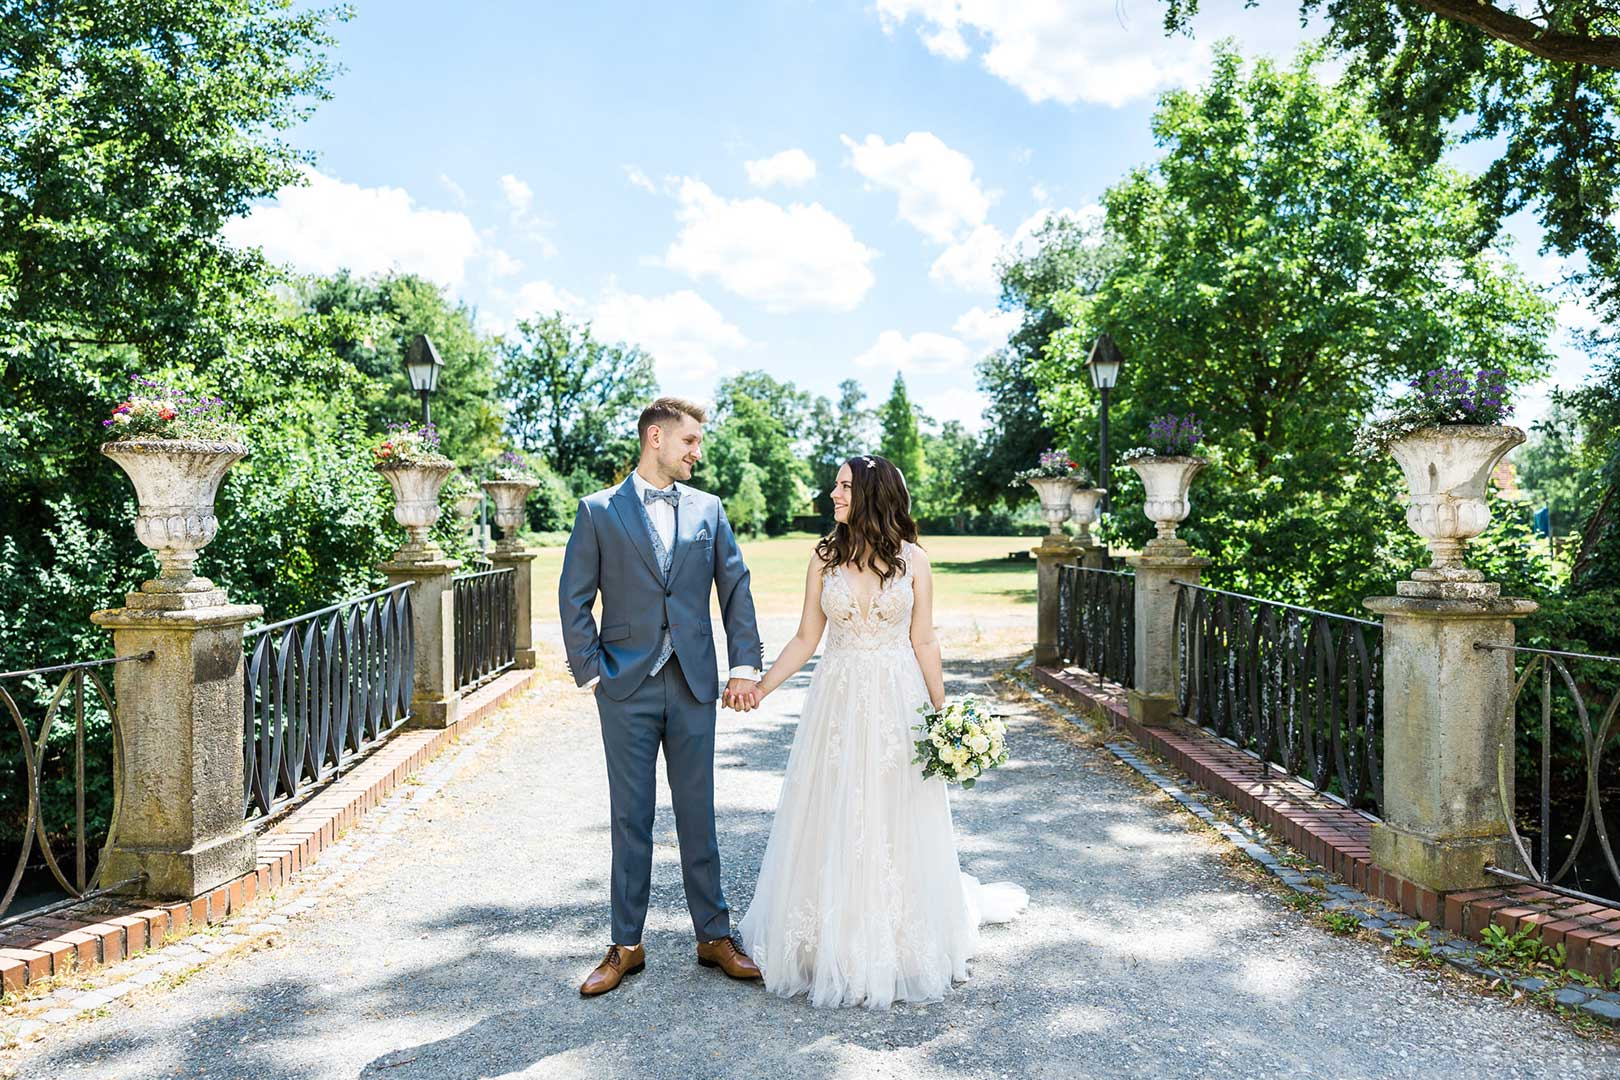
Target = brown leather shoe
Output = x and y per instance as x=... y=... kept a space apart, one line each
x=728 y=956
x=621 y=960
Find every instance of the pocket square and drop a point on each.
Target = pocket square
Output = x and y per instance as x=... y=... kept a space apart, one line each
x=703 y=534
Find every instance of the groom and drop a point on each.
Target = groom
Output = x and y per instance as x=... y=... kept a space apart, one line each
x=654 y=548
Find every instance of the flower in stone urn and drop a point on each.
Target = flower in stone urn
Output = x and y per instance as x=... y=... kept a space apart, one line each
x=510 y=481
x=1054 y=479
x=409 y=459
x=1167 y=466
x=1447 y=435
x=176 y=448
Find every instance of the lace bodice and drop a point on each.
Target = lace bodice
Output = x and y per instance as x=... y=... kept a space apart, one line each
x=886 y=624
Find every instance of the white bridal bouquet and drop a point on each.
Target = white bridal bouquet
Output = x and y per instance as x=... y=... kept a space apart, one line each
x=961 y=741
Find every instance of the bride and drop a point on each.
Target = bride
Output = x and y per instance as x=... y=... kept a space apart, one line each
x=860 y=900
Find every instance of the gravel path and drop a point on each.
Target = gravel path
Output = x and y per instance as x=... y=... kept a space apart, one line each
x=1142 y=955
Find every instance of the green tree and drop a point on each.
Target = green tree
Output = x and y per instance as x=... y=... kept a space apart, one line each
x=1279 y=269
x=837 y=433
x=1064 y=256
x=902 y=441
x=940 y=504
x=1537 y=83
x=747 y=441
x=573 y=398
x=130 y=132
x=388 y=311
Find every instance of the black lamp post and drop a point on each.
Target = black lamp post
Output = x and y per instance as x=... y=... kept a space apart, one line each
x=1103 y=363
x=422 y=364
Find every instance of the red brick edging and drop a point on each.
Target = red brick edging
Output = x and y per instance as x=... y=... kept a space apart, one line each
x=1339 y=838
x=106 y=931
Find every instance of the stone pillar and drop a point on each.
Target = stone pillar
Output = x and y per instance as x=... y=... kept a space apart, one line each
x=1095 y=556
x=1448 y=712
x=521 y=560
x=1053 y=551
x=180 y=819
x=434 y=703
x=1162 y=562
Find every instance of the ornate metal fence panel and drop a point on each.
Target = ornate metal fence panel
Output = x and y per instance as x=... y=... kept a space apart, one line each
x=1300 y=688
x=78 y=722
x=486 y=626
x=1096 y=622
x=1574 y=756
x=319 y=689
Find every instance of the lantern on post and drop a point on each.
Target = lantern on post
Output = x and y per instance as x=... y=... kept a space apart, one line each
x=1103 y=365
x=422 y=365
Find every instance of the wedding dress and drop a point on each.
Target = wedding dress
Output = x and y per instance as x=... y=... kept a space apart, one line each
x=860 y=898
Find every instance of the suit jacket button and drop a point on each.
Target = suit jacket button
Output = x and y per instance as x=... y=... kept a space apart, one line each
x=669 y=592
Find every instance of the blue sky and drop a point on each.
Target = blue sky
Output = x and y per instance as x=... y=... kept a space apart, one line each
x=817 y=189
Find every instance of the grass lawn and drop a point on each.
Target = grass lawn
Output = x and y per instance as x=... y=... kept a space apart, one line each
x=972 y=576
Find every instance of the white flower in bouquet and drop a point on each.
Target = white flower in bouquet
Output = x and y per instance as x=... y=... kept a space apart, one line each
x=961 y=741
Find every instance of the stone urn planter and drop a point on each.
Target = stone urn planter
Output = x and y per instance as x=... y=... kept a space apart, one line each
x=1446 y=468
x=466 y=508
x=1166 y=481
x=1055 y=492
x=416 y=504
x=175 y=484
x=509 y=497
x=1084 y=509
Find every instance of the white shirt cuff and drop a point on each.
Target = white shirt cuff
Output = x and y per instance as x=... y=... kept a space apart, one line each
x=749 y=673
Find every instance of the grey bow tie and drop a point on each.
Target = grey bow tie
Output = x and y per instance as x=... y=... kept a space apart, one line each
x=669 y=495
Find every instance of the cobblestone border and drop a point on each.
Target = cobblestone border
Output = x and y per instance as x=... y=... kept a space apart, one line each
x=248 y=924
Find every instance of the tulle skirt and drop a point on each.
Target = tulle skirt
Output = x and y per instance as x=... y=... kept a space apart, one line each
x=860 y=899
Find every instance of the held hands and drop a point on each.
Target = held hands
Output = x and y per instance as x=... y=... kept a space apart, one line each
x=743 y=695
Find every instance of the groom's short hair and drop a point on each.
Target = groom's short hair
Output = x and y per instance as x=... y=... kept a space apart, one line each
x=668 y=410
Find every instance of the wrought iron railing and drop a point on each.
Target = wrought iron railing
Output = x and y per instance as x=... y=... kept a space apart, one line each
x=1575 y=759
x=1096 y=619
x=320 y=688
x=53 y=781
x=486 y=625
x=1300 y=688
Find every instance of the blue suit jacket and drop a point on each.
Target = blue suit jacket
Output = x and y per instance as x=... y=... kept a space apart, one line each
x=610 y=552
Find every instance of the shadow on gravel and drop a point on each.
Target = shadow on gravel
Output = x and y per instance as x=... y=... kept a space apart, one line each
x=1141 y=956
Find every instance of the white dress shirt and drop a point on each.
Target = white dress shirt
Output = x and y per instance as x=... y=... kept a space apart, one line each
x=662 y=515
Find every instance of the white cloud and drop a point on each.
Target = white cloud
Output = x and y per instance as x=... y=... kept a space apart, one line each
x=1081 y=50
x=456 y=191
x=939 y=194
x=986 y=328
x=970 y=265
x=921 y=352
x=519 y=195
x=639 y=179
x=1039 y=193
x=503 y=264
x=327 y=224
x=541 y=298
x=681 y=330
x=790 y=168
x=958 y=403
x=787 y=258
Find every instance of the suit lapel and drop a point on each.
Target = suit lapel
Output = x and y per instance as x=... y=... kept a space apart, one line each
x=686 y=527
x=634 y=524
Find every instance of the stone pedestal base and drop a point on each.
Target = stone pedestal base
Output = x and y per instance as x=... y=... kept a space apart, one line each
x=434 y=703
x=1154 y=710
x=1448 y=719
x=181 y=875
x=1444 y=864
x=1161 y=564
x=521 y=560
x=1051 y=553
x=180 y=713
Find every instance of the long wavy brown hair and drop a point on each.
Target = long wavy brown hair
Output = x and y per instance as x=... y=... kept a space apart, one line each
x=879 y=521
